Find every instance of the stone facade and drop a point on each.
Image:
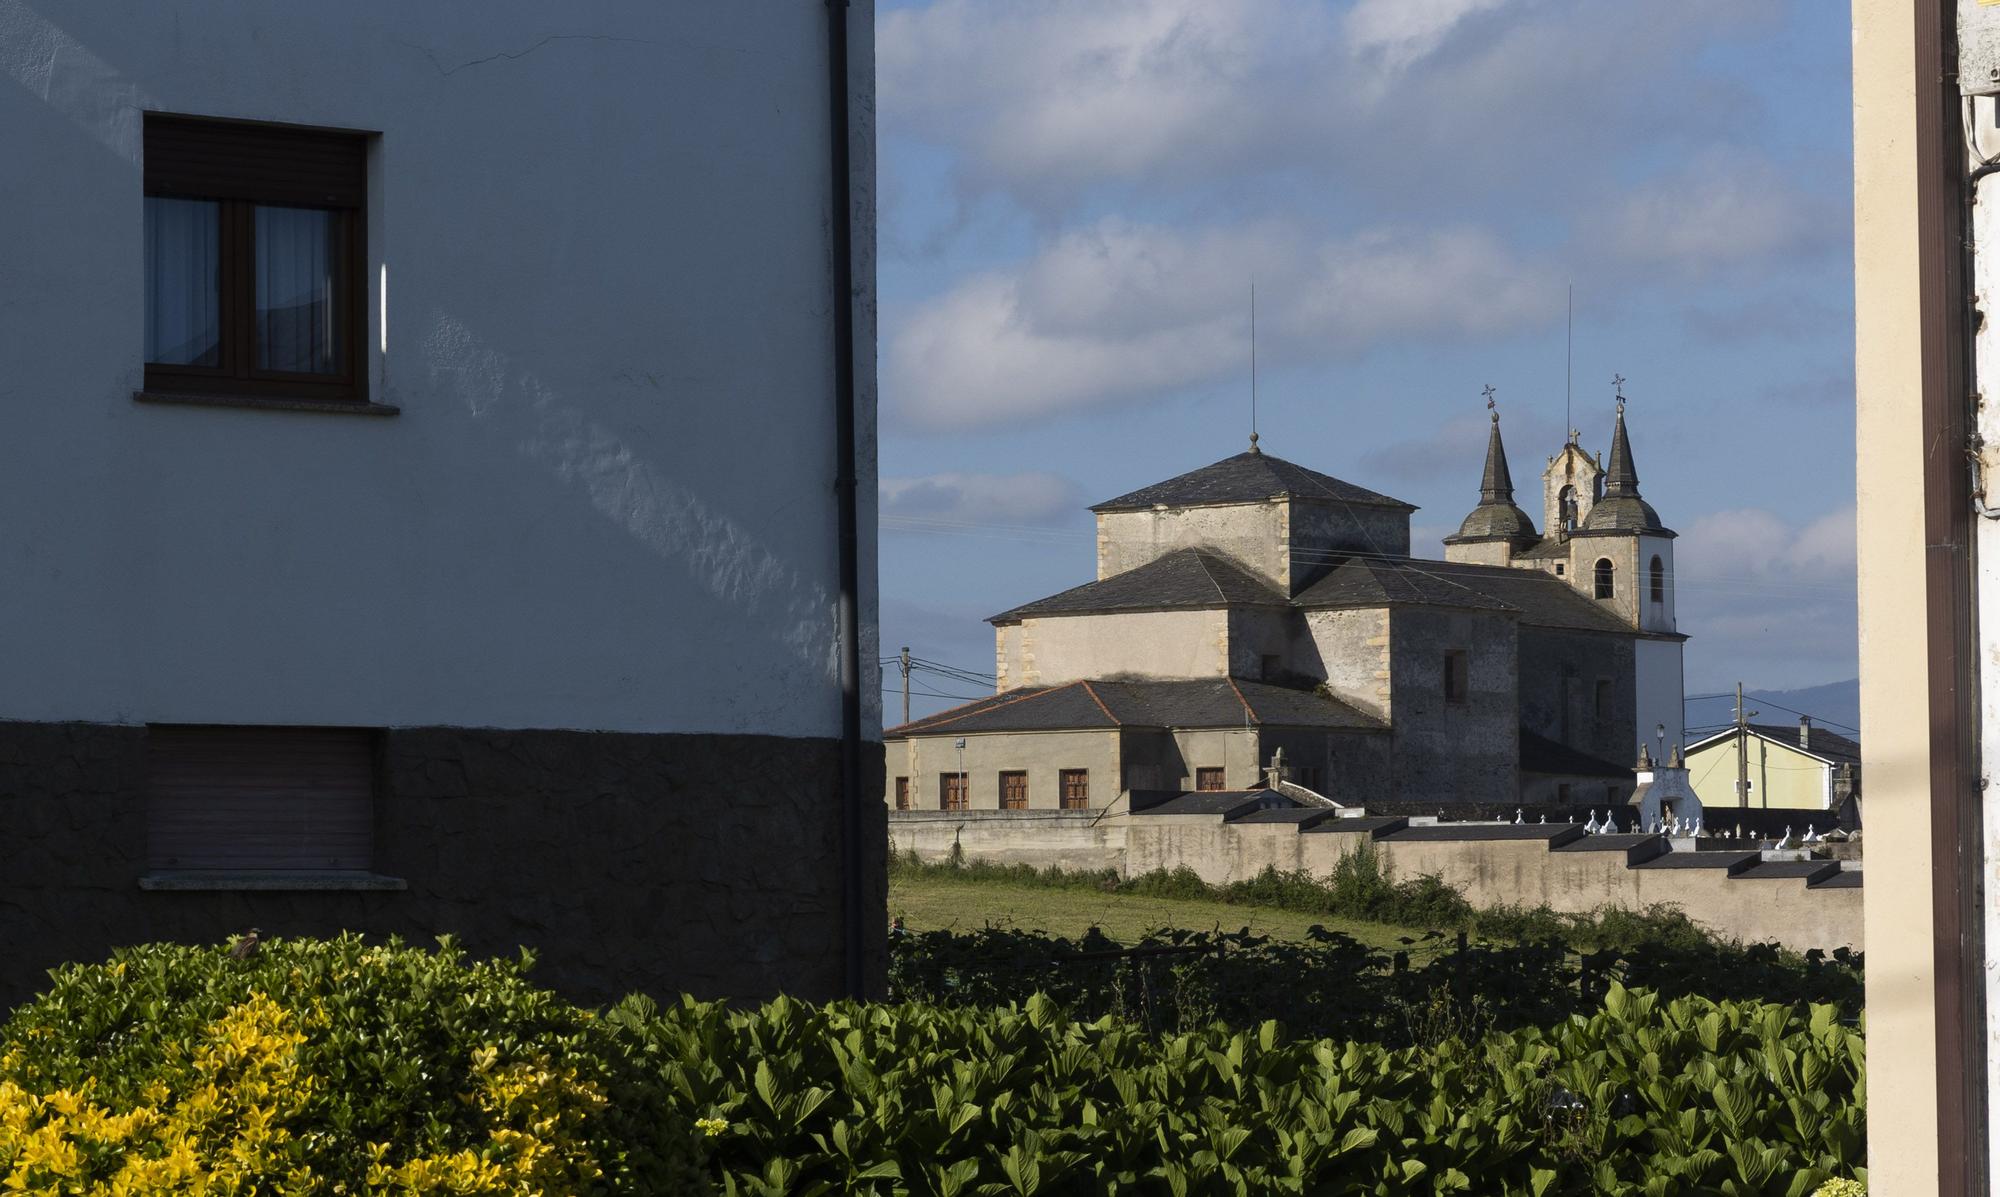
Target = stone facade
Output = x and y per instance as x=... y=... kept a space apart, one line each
x=628 y=862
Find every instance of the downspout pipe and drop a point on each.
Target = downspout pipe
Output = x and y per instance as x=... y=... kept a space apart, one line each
x=853 y=891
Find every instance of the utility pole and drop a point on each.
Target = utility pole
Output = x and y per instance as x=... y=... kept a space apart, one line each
x=906 y=683
x=1742 y=750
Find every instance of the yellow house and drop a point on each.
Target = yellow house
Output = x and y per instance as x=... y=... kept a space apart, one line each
x=1791 y=768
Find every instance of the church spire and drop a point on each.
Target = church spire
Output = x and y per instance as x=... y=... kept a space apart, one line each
x=1496 y=485
x=1621 y=479
x=1496 y=519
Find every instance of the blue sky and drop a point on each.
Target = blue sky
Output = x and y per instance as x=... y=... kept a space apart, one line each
x=1076 y=194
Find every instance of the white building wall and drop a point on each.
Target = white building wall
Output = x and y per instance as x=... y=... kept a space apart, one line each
x=599 y=272
x=1657 y=671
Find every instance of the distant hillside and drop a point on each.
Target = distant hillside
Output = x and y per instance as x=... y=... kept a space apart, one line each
x=1837 y=705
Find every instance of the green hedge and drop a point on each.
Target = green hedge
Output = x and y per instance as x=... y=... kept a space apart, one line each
x=326 y=1067
x=1330 y=984
x=1642 y=1097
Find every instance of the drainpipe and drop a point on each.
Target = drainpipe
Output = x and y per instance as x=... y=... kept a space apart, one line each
x=853 y=830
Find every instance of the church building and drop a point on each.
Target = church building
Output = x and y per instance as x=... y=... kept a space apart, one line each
x=1257 y=623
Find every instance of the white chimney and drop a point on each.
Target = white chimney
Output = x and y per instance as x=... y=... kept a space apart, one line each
x=1805 y=732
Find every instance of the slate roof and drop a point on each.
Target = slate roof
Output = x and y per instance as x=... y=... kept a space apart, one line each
x=1081 y=706
x=1496 y=517
x=1192 y=578
x=1377 y=582
x=1543 y=600
x=1250 y=477
x=1621 y=509
x=1230 y=804
x=1820 y=742
x=1540 y=754
x=1189 y=578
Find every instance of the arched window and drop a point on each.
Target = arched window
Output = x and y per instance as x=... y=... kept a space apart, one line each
x=1566 y=508
x=1659 y=580
x=1604 y=586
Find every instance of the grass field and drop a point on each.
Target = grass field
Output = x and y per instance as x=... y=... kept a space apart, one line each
x=942 y=904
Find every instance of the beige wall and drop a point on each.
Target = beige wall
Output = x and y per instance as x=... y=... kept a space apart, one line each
x=1071 y=840
x=1354 y=647
x=1252 y=533
x=1047 y=651
x=923 y=759
x=1779 y=776
x=1902 y=1074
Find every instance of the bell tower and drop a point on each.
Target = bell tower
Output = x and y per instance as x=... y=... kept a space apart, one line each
x=1570 y=487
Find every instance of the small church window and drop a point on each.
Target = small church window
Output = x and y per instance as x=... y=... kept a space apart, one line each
x=1605 y=589
x=1559 y=569
x=1601 y=700
x=1659 y=580
x=1566 y=506
x=1457 y=678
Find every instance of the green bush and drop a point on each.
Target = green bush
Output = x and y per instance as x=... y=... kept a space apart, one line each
x=1330 y=984
x=393 y=1062
x=1642 y=1097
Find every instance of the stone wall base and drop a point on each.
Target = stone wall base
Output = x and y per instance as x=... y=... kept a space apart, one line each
x=704 y=864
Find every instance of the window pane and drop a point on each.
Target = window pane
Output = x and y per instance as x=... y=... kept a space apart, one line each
x=298 y=318
x=182 y=267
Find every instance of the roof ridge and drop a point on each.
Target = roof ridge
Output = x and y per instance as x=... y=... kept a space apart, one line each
x=957 y=713
x=1092 y=691
x=1247 y=708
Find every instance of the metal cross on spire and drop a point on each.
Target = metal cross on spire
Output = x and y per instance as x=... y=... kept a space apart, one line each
x=1618 y=391
x=1491 y=406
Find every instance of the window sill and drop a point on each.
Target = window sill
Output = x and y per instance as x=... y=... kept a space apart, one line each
x=268 y=403
x=205 y=880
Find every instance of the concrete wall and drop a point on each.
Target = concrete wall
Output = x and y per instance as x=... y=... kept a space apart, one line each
x=925 y=759
x=1449 y=752
x=1354 y=648
x=656 y=863
x=1051 y=650
x=1074 y=840
x=1488 y=871
x=1322 y=532
x=1895 y=709
x=1256 y=633
x=1559 y=675
x=599 y=288
x=1251 y=533
x=1779 y=776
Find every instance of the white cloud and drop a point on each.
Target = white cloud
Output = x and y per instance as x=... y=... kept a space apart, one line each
x=1045 y=99
x=1026 y=498
x=1121 y=310
x=1401 y=32
x=1767 y=601
x=1721 y=210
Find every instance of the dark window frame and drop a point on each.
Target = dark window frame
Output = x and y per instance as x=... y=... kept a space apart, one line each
x=1604 y=578
x=231 y=163
x=1600 y=698
x=902 y=793
x=1659 y=580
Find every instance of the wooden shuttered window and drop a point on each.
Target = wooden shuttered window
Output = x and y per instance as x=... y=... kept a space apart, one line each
x=902 y=793
x=1209 y=779
x=260 y=799
x=1075 y=789
x=951 y=791
x=1014 y=790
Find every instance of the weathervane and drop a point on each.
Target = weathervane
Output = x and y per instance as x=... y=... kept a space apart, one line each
x=1618 y=391
x=1490 y=405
